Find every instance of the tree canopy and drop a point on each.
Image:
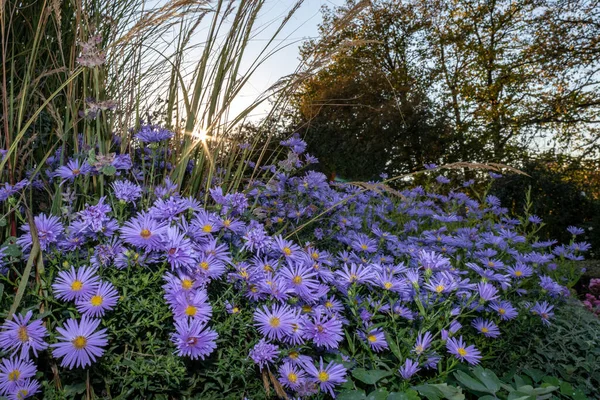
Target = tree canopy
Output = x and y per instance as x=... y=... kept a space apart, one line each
x=417 y=81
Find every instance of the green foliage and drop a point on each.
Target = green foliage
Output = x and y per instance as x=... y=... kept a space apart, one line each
x=569 y=350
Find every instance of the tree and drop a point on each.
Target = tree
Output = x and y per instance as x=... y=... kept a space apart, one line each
x=418 y=81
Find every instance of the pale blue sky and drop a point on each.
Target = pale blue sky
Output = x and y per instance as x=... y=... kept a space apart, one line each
x=303 y=25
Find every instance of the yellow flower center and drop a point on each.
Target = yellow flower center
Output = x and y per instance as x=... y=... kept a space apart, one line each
x=79 y=342
x=22 y=334
x=235 y=310
x=353 y=277
x=22 y=394
x=292 y=377
x=297 y=280
x=419 y=349
x=372 y=338
x=274 y=322
x=145 y=233
x=76 y=171
x=323 y=376
x=267 y=268
x=96 y=300
x=518 y=273
x=287 y=251
x=76 y=286
x=485 y=330
x=490 y=263
x=306 y=308
x=253 y=288
x=363 y=246
x=315 y=255
x=462 y=352
x=439 y=288
x=187 y=284
x=502 y=311
x=320 y=328
x=388 y=285
x=207 y=228
x=14 y=375
x=204 y=265
x=328 y=304
x=190 y=311
x=294 y=355
x=244 y=274
x=226 y=223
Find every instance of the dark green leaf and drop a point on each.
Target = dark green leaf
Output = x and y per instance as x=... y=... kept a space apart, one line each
x=370 y=376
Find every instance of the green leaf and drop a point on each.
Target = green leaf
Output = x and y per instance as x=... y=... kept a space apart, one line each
x=566 y=389
x=535 y=374
x=351 y=395
x=370 y=376
x=471 y=383
x=429 y=391
x=450 y=392
x=393 y=346
x=408 y=395
x=489 y=379
x=72 y=390
x=379 y=394
x=109 y=170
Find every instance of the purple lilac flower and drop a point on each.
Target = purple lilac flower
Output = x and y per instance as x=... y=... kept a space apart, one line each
x=143 y=231
x=15 y=372
x=74 y=284
x=194 y=339
x=79 y=343
x=127 y=191
x=463 y=352
x=97 y=302
x=49 y=228
x=487 y=328
x=23 y=335
x=324 y=330
x=409 y=368
x=264 y=353
x=326 y=377
x=275 y=323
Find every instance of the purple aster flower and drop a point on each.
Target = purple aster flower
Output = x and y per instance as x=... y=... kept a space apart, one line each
x=97 y=302
x=354 y=274
x=291 y=375
x=362 y=242
x=520 y=270
x=287 y=248
x=194 y=305
x=326 y=377
x=79 y=343
x=153 y=134
x=49 y=228
x=295 y=143
x=264 y=353
x=375 y=338
x=575 y=231
x=505 y=309
x=276 y=322
x=487 y=291
x=442 y=179
x=324 y=330
x=302 y=279
x=74 y=284
x=487 y=328
x=72 y=170
x=25 y=389
x=409 y=368
x=23 y=335
x=544 y=310
x=14 y=372
x=143 y=231
x=423 y=342
x=534 y=219
x=194 y=339
x=462 y=352
x=127 y=191
x=178 y=249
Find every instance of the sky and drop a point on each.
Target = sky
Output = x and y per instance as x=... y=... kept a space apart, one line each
x=302 y=26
